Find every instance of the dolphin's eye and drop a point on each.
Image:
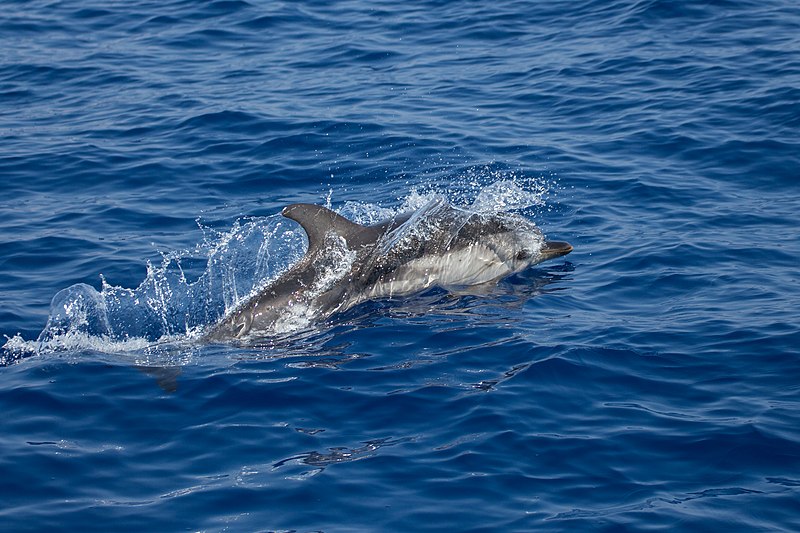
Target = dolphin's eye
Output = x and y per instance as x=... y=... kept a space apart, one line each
x=523 y=254
x=241 y=328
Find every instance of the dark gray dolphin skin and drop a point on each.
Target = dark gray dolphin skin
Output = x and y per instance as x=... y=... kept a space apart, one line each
x=347 y=263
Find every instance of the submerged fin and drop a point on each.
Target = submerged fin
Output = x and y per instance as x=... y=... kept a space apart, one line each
x=165 y=376
x=318 y=221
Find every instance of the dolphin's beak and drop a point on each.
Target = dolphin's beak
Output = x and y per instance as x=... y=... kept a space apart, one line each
x=552 y=249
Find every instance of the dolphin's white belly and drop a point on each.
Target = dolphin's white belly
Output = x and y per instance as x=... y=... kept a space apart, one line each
x=468 y=266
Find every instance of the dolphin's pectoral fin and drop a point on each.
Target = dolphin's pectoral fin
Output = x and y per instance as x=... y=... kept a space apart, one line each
x=166 y=377
x=318 y=221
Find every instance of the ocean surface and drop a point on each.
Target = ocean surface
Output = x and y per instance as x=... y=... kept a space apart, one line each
x=650 y=380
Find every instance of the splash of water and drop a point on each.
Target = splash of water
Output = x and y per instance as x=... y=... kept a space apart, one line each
x=166 y=305
x=254 y=252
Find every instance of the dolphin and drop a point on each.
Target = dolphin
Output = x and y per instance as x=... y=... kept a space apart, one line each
x=347 y=263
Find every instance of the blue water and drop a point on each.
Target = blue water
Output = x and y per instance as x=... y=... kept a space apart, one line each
x=649 y=380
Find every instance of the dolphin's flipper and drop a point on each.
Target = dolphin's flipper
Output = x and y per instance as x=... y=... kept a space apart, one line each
x=165 y=376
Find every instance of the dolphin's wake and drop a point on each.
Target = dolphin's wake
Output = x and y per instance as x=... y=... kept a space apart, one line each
x=269 y=275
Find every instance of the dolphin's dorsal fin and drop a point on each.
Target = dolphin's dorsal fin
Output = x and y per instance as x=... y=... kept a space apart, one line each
x=318 y=221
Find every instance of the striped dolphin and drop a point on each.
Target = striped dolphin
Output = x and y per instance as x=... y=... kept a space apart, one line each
x=347 y=263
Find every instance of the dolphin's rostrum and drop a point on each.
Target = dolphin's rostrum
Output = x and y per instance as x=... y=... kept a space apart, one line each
x=347 y=263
